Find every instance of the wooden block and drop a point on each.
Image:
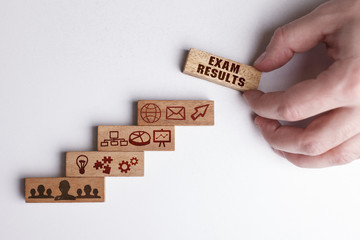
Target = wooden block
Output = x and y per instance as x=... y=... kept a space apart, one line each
x=137 y=138
x=172 y=113
x=102 y=164
x=221 y=71
x=57 y=190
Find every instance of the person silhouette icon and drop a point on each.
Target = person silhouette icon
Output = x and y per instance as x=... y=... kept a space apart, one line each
x=32 y=192
x=96 y=192
x=41 y=190
x=64 y=187
x=87 y=190
x=79 y=192
x=48 y=193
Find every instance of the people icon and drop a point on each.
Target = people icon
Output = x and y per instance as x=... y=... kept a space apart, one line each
x=48 y=193
x=79 y=192
x=87 y=191
x=64 y=187
x=32 y=192
x=41 y=191
x=96 y=192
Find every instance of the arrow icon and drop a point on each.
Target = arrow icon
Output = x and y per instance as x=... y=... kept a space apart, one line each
x=199 y=111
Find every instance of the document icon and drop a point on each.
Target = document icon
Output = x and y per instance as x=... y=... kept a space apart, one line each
x=175 y=113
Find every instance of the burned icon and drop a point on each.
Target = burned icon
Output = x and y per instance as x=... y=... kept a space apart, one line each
x=81 y=162
x=139 y=138
x=162 y=136
x=150 y=113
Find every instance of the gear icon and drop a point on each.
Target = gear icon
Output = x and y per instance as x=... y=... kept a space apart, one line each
x=124 y=166
x=134 y=161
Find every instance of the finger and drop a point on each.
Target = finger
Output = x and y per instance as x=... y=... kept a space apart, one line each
x=342 y=154
x=323 y=133
x=298 y=36
x=331 y=89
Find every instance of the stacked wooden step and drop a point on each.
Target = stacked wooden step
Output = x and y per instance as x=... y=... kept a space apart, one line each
x=120 y=151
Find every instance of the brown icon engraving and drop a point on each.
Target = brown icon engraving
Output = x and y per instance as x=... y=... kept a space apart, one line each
x=101 y=165
x=150 y=113
x=41 y=190
x=124 y=166
x=162 y=136
x=114 y=140
x=64 y=187
x=65 y=190
x=87 y=191
x=134 y=161
x=199 y=111
x=175 y=113
x=81 y=162
x=139 y=138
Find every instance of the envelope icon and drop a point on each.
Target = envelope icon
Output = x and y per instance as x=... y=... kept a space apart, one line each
x=175 y=113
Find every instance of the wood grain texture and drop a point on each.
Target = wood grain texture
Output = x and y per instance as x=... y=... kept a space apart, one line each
x=190 y=113
x=136 y=138
x=60 y=190
x=102 y=164
x=221 y=71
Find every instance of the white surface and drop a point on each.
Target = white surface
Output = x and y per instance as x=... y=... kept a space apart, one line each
x=68 y=66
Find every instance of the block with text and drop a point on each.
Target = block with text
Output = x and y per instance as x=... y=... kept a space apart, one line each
x=57 y=190
x=103 y=164
x=186 y=112
x=221 y=71
x=136 y=138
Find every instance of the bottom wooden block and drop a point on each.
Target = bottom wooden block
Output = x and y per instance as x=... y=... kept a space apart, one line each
x=39 y=190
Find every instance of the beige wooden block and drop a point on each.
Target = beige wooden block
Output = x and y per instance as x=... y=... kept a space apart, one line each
x=57 y=190
x=136 y=138
x=221 y=71
x=173 y=113
x=102 y=164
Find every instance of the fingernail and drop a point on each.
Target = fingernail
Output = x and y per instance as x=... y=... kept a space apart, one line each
x=260 y=58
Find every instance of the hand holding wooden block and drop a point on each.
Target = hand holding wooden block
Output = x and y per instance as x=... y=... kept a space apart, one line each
x=221 y=71
x=102 y=164
x=64 y=190
x=136 y=138
x=190 y=113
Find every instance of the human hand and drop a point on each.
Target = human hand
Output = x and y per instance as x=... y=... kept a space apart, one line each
x=332 y=138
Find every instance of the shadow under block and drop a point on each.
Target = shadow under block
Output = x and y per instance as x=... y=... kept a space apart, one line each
x=136 y=138
x=103 y=164
x=173 y=113
x=59 y=190
x=221 y=71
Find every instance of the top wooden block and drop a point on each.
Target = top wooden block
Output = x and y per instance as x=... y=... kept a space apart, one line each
x=221 y=71
x=171 y=113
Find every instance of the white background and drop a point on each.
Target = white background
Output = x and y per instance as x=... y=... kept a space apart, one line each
x=68 y=66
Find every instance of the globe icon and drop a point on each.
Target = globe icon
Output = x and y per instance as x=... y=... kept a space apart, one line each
x=150 y=113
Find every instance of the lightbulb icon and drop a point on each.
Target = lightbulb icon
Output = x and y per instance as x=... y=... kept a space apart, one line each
x=81 y=162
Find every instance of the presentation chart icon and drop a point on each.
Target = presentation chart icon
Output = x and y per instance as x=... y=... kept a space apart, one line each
x=162 y=136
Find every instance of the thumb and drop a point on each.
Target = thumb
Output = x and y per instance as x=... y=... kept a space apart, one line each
x=298 y=36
